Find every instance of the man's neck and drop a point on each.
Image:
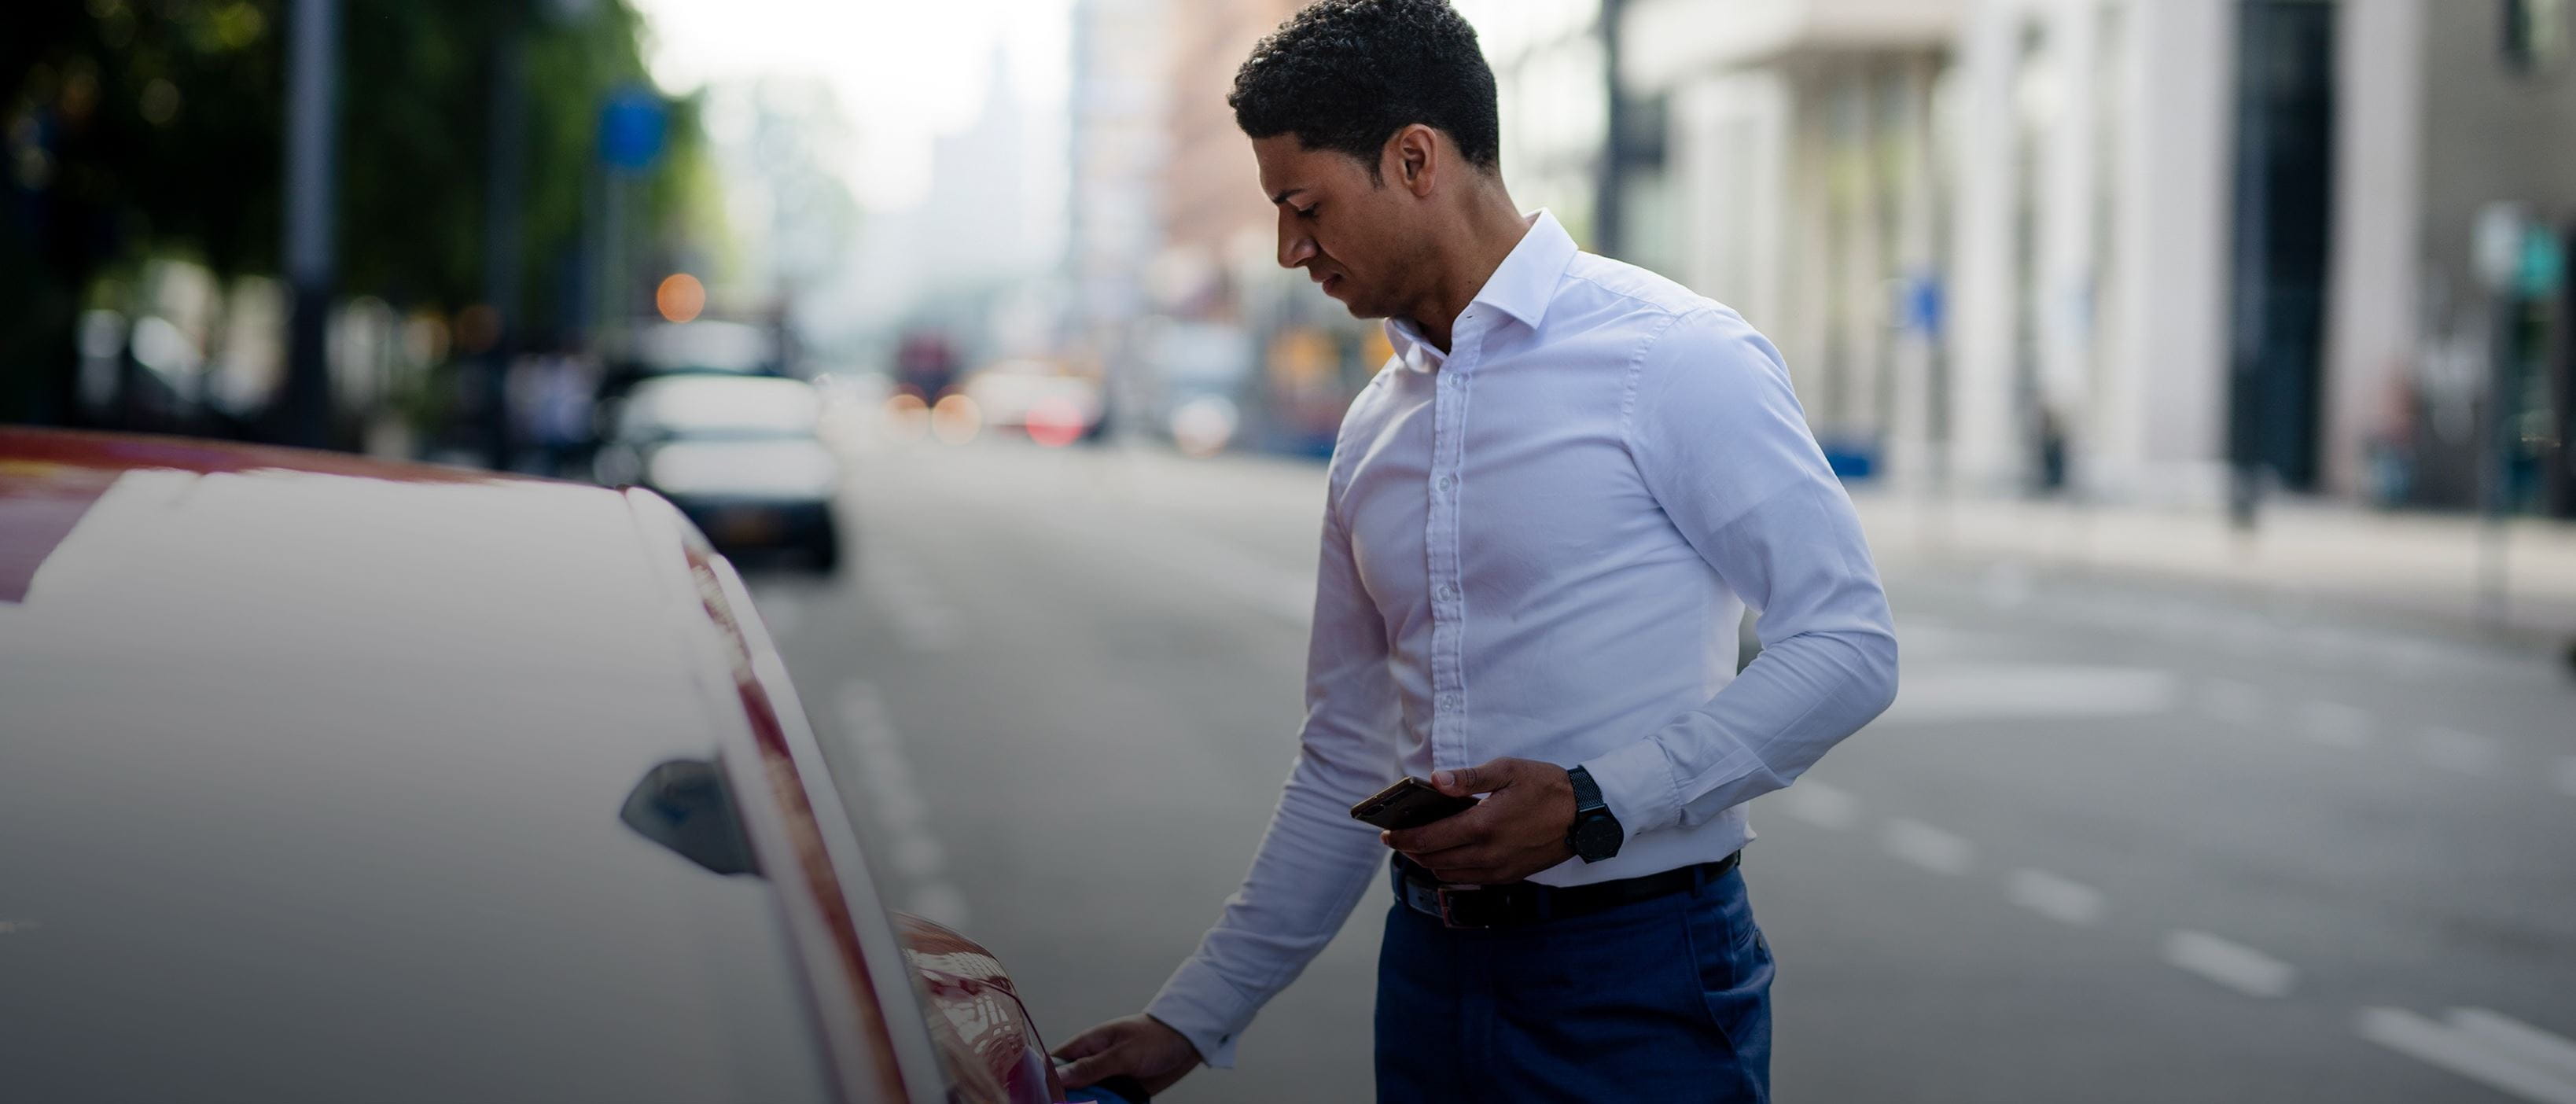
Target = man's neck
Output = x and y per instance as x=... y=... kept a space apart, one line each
x=1489 y=229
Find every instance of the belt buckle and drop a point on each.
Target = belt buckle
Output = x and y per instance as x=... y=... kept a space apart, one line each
x=1455 y=917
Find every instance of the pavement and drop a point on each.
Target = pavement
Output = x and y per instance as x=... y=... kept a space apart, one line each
x=2455 y=573
x=2128 y=835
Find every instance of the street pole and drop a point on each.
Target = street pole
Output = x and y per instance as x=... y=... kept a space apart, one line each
x=311 y=125
x=1609 y=207
x=2496 y=255
x=501 y=236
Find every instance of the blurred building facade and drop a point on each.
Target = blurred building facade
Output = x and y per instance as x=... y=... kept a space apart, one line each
x=2137 y=250
x=2201 y=236
x=1805 y=178
x=1116 y=149
x=2131 y=247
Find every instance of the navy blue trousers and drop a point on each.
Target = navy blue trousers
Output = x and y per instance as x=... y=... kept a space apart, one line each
x=1666 y=1000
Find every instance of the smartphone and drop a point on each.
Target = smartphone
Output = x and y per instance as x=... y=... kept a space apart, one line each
x=1410 y=803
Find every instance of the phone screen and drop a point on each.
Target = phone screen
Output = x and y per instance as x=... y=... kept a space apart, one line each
x=1409 y=803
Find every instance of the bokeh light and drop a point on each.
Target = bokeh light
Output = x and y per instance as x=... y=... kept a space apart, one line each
x=1055 y=422
x=956 y=420
x=680 y=298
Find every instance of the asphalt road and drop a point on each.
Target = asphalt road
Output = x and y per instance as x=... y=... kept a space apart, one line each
x=2116 y=842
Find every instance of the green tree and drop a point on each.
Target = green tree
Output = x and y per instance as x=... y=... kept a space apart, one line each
x=140 y=128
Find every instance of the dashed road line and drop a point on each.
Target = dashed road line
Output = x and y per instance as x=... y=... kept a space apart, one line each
x=2462 y=752
x=2483 y=1046
x=2237 y=703
x=1821 y=805
x=895 y=801
x=1928 y=847
x=2233 y=965
x=2060 y=899
x=2526 y=1043
x=2334 y=725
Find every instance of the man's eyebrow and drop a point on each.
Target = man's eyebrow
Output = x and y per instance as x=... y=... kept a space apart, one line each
x=1283 y=196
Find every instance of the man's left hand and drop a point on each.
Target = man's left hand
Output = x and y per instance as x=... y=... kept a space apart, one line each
x=1517 y=831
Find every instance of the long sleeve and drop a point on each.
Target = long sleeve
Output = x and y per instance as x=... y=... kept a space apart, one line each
x=1721 y=442
x=1315 y=861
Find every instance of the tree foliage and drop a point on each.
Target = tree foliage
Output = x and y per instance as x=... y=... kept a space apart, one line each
x=138 y=128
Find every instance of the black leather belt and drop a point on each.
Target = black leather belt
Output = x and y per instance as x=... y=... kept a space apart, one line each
x=1518 y=904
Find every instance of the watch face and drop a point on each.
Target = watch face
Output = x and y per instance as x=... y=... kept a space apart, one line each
x=1598 y=837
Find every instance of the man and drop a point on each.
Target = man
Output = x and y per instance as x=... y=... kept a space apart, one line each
x=1543 y=521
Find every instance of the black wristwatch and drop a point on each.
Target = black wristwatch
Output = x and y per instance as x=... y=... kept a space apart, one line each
x=1596 y=834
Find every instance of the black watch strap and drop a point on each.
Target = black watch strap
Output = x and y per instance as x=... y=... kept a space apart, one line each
x=1596 y=834
x=1587 y=793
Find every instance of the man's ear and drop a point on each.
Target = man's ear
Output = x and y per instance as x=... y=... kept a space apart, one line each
x=1413 y=157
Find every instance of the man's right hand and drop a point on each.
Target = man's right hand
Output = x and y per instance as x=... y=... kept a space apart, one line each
x=1139 y=1046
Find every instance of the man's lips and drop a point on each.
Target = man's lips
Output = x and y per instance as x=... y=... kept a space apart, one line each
x=1327 y=281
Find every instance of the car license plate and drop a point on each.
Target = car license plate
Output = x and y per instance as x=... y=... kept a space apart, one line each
x=747 y=527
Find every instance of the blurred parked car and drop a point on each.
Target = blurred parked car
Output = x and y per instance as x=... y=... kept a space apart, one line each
x=1035 y=398
x=326 y=779
x=702 y=347
x=740 y=456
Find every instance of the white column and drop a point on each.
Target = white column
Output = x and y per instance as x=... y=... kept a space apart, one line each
x=2166 y=408
x=1909 y=439
x=2066 y=217
x=2371 y=296
x=1985 y=443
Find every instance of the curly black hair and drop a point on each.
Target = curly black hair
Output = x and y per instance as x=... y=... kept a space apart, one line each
x=1345 y=75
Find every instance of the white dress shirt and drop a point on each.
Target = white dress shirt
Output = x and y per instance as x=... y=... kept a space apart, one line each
x=1539 y=545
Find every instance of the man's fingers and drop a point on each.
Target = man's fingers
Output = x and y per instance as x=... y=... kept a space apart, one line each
x=1084 y=1073
x=1492 y=775
x=1093 y=1041
x=1465 y=828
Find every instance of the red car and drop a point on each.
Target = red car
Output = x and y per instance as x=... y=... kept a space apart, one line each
x=335 y=780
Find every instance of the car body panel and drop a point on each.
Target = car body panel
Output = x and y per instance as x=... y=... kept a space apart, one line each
x=310 y=779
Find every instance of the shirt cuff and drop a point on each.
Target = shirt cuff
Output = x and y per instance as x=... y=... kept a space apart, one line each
x=1637 y=783
x=1205 y=1008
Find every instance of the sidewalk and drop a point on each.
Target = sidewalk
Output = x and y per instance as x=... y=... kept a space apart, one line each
x=2427 y=566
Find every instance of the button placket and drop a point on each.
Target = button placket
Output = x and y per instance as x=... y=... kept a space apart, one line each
x=1448 y=448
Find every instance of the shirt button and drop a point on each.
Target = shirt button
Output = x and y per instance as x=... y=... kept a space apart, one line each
x=1449 y=592
x=1447 y=482
x=1449 y=702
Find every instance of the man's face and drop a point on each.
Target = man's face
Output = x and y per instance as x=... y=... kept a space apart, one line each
x=1353 y=236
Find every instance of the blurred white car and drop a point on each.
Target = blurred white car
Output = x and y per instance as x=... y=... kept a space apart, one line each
x=741 y=456
x=1035 y=398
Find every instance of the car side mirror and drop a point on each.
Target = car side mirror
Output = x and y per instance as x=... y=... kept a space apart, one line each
x=685 y=805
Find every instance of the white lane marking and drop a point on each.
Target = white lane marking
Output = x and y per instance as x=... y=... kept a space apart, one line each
x=895 y=800
x=1927 y=637
x=2526 y=1043
x=2468 y=1046
x=2007 y=585
x=1820 y=804
x=2334 y=724
x=2235 y=702
x=2059 y=899
x=2567 y=776
x=2462 y=752
x=1927 y=847
x=2003 y=691
x=921 y=620
x=2233 y=965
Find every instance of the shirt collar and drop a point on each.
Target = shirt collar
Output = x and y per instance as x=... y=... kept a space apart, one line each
x=1522 y=286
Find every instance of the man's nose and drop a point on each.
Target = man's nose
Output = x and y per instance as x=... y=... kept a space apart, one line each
x=1295 y=247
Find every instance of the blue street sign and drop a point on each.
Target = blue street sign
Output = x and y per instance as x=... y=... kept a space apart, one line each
x=630 y=129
